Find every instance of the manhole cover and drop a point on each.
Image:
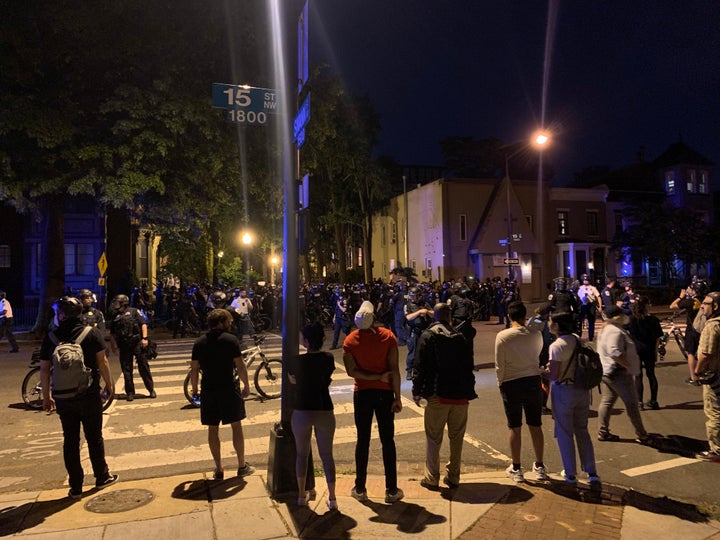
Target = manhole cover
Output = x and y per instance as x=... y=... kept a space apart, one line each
x=119 y=501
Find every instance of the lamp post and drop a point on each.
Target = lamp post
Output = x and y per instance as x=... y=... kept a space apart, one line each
x=274 y=260
x=246 y=239
x=539 y=140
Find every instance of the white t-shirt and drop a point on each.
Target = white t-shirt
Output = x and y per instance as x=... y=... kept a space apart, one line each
x=517 y=353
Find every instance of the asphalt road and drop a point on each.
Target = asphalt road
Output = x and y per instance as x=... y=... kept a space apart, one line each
x=149 y=438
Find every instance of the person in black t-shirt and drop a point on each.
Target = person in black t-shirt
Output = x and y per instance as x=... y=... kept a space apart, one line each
x=217 y=354
x=313 y=408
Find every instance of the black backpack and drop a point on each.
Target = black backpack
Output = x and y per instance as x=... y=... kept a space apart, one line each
x=452 y=351
x=588 y=368
x=126 y=327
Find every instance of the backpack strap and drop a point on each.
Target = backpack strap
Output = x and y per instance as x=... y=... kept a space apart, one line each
x=570 y=362
x=83 y=334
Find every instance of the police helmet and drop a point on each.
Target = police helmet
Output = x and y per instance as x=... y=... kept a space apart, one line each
x=121 y=300
x=560 y=284
x=584 y=277
x=219 y=299
x=68 y=306
x=85 y=293
x=413 y=291
x=701 y=287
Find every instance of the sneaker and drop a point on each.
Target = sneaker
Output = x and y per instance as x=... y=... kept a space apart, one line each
x=303 y=501
x=692 y=382
x=540 y=473
x=641 y=406
x=245 y=470
x=708 y=455
x=451 y=485
x=427 y=485
x=608 y=437
x=153 y=395
x=652 y=405
x=111 y=479
x=359 y=495
x=515 y=474
x=218 y=475
x=74 y=494
x=645 y=440
x=393 y=497
x=332 y=504
x=130 y=397
x=593 y=479
x=571 y=480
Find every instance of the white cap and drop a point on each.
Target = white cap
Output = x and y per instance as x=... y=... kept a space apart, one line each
x=365 y=316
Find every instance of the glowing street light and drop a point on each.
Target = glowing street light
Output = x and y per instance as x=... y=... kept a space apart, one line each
x=274 y=260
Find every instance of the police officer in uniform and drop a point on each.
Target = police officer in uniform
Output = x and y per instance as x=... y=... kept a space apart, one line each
x=561 y=300
x=609 y=295
x=589 y=304
x=90 y=316
x=419 y=316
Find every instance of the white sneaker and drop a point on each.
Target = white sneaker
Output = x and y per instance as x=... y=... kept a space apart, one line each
x=359 y=495
x=571 y=480
x=332 y=504
x=515 y=474
x=540 y=473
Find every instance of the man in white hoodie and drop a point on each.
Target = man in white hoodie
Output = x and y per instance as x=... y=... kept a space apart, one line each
x=517 y=350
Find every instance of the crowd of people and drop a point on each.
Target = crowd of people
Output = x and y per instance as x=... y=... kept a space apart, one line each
x=533 y=359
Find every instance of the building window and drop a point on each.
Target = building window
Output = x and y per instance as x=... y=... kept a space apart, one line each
x=79 y=259
x=382 y=235
x=592 y=223
x=414 y=265
x=670 y=182
x=529 y=220
x=428 y=263
x=691 y=183
x=703 y=182
x=463 y=227
x=562 y=222
x=619 y=222
x=393 y=233
x=360 y=257
x=4 y=256
x=349 y=254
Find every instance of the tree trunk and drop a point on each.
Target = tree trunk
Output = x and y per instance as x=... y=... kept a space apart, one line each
x=341 y=256
x=52 y=260
x=367 y=248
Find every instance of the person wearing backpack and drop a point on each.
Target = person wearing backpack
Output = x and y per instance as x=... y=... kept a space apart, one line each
x=129 y=336
x=621 y=365
x=570 y=402
x=444 y=377
x=75 y=390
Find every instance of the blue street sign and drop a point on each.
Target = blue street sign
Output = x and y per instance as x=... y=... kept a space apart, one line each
x=301 y=119
x=249 y=98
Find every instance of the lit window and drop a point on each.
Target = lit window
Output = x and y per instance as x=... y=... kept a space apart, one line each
x=393 y=232
x=562 y=222
x=463 y=227
x=703 y=183
x=670 y=182
x=691 y=181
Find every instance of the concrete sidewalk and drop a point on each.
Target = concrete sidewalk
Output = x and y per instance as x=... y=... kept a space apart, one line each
x=486 y=505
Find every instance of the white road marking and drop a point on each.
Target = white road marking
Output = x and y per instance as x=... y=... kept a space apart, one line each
x=660 y=466
x=485 y=448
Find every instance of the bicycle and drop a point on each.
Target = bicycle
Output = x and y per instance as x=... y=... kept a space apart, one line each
x=267 y=378
x=31 y=388
x=670 y=329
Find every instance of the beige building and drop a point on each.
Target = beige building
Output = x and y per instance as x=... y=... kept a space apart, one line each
x=463 y=227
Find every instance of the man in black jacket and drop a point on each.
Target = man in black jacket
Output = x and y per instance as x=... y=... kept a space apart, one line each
x=444 y=377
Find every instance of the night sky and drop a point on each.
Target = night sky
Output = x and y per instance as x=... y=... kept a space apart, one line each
x=624 y=74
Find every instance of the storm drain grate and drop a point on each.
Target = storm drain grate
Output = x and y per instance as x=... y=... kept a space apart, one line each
x=119 y=501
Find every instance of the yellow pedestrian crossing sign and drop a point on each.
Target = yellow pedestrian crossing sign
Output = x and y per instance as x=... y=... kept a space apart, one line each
x=102 y=264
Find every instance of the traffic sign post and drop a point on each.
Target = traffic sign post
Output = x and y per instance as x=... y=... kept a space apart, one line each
x=511 y=261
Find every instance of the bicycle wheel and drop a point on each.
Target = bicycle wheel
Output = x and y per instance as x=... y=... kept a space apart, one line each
x=268 y=378
x=32 y=389
x=106 y=400
x=680 y=342
x=187 y=388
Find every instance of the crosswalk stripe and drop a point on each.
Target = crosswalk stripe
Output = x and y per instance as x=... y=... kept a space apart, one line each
x=255 y=446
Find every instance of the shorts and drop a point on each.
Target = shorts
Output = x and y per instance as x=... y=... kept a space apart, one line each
x=216 y=406
x=523 y=394
x=692 y=340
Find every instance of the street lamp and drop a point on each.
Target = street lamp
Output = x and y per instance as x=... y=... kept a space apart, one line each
x=539 y=140
x=246 y=238
x=274 y=260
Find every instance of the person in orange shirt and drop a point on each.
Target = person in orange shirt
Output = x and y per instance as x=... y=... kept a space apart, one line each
x=370 y=354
